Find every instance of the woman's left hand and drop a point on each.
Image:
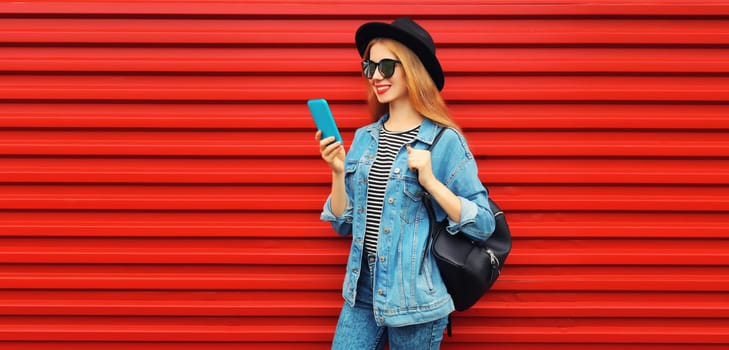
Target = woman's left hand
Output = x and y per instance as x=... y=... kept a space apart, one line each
x=419 y=160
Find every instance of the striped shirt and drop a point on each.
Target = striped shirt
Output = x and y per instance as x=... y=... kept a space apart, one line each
x=388 y=148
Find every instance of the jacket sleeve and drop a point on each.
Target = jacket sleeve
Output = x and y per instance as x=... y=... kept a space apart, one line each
x=476 y=221
x=341 y=224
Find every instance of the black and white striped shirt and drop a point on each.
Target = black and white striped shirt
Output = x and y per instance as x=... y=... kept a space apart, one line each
x=389 y=145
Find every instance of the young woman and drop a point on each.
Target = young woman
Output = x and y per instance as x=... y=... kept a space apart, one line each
x=391 y=293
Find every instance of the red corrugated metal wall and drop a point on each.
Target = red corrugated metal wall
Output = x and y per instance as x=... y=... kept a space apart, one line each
x=160 y=189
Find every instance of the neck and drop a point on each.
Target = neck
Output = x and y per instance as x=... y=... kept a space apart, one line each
x=403 y=116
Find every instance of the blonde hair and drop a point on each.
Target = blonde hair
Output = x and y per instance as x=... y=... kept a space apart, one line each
x=422 y=92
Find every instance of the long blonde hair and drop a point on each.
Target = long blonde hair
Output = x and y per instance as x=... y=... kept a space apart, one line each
x=422 y=92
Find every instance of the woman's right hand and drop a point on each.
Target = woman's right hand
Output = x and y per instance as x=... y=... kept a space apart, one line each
x=332 y=152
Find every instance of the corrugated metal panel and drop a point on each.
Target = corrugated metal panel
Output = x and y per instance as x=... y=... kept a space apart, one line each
x=159 y=188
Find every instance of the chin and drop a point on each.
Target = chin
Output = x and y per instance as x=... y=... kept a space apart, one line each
x=382 y=99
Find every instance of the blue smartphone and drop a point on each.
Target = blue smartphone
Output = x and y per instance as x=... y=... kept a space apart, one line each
x=324 y=119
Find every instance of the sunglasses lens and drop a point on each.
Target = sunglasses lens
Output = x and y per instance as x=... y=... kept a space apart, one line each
x=387 y=68
x=368 y=68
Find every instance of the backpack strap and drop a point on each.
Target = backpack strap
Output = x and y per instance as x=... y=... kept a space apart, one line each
x=429 y=204
x=437 y=137
x=431 y=214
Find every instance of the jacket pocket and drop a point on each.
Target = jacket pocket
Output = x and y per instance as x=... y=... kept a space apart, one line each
x=428 y=275
x=412 y=208
x=349 y=169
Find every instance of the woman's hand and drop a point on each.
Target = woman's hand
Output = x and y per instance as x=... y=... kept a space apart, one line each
x=419 y=160
x=332 y=152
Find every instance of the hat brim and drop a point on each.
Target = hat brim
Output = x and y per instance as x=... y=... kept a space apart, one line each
x=373 y=30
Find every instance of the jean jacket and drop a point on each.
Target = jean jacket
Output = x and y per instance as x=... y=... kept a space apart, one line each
x=405 y=292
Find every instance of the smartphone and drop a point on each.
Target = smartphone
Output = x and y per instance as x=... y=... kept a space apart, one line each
x=324 y=119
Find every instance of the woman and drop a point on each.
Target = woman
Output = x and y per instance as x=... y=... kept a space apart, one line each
x=391 y=293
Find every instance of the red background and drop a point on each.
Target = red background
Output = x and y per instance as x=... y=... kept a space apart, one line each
x=160 y=187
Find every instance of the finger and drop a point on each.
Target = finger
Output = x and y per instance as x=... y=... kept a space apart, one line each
x=409 y=148
x=325 y=142
x=328 y=156
x=332 y=148
x=317 y=136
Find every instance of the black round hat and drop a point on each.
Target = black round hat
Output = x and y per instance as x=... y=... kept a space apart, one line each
x=410 y=34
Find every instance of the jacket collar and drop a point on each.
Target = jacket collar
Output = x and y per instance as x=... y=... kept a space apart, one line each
x=426 y=134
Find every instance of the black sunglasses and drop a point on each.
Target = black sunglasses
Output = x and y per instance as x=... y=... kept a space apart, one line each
x=385 y=66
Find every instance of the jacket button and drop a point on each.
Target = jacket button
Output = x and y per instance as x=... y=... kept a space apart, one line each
x=382 y=259
x=397 y=170
x=379 y=291
x=386 y=230
x=390 y=200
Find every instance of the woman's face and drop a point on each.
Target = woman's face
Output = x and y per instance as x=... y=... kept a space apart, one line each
x=389 y=89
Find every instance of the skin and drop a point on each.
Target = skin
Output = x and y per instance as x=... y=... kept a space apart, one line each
x=403 y=116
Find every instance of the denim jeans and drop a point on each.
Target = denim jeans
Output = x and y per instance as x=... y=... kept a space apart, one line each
x=356 y=329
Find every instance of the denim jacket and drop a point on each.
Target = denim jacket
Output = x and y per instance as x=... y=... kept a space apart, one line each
x=405 y=292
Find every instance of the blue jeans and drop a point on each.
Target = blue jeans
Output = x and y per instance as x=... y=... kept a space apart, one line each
x=356 y=329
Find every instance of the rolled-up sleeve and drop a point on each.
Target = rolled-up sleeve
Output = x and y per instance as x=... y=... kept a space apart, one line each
x=342 y=224
x=476 y=221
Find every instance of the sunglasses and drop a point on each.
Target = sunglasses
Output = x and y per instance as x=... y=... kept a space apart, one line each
x=385 y=66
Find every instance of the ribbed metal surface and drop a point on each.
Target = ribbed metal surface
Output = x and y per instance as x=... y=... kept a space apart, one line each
x=159 y=188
